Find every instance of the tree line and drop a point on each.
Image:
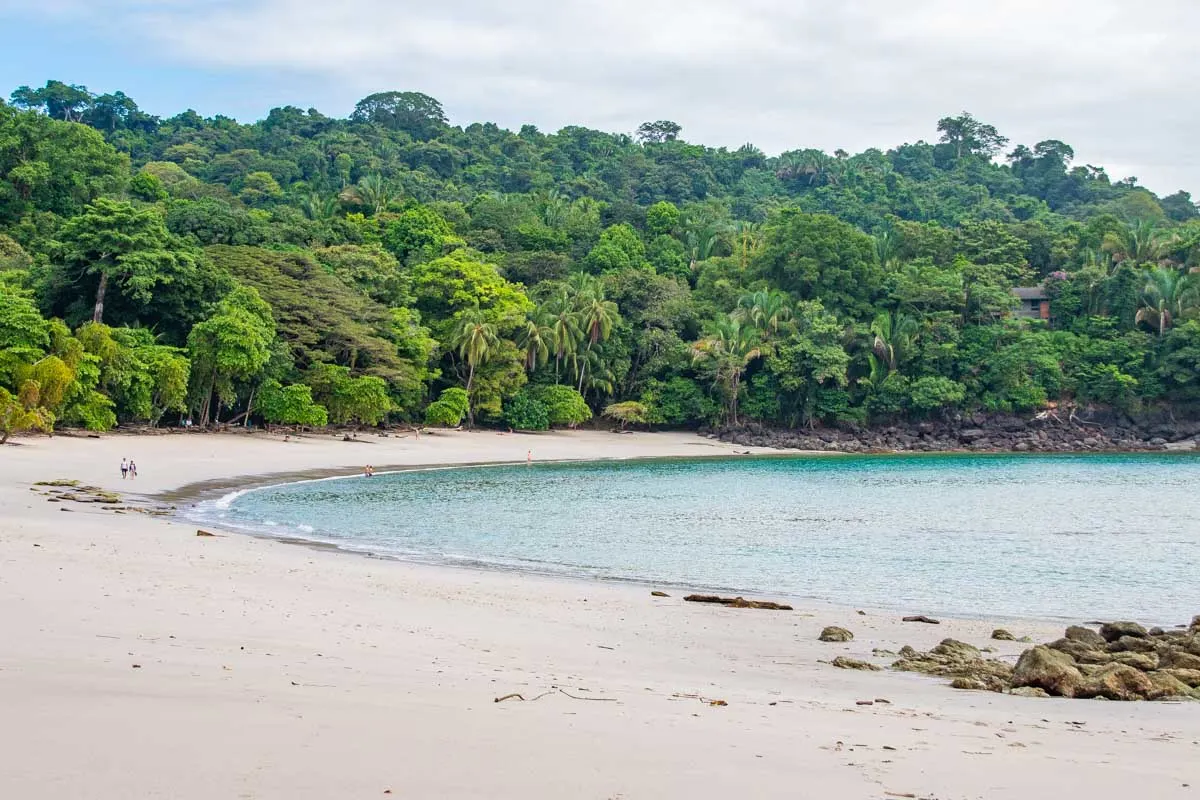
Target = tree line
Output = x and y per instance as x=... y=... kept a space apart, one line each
x=392 y=267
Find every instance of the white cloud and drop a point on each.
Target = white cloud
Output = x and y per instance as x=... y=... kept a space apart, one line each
x=1109 y=77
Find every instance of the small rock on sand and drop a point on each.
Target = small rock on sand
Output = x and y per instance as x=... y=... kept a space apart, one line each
x=841 y=662
x=835 y=634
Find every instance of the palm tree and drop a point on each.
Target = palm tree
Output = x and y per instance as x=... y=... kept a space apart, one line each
x=597 y=317
x=1143 y=241
x=375 y=192
x=551 y=206
x=887 y=249
x=729 y=348
x=749 y=237
x=1169 y=295
x=474 y=338
x=701 y=242
x=537 y=340
x=766 y=310
x=895 y=334
x=316 y=207
x=565 y=330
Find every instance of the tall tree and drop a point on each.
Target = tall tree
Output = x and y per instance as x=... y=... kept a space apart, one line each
x=474 y=337
x=728 y=349
x=123 y=244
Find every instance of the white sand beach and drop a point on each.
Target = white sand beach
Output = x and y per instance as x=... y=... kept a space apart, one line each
x=138 y=660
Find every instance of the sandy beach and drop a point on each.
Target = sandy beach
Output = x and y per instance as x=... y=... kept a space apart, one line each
x=138 y=660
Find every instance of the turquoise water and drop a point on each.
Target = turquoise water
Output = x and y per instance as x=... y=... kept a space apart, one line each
x=1078 y=537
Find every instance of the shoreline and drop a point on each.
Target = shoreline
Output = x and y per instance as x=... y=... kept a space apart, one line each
x=298 y=672
x=206 y=492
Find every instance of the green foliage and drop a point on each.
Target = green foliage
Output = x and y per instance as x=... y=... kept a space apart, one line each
x=378 y=260
x=449 y=409
x=289 y=405
x=629 y=412
x=524 y=413
x=564 y=405
x=21 y=412
x=363 y=400
x=678 y=402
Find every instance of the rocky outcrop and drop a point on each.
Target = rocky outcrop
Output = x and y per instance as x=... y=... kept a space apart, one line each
x=1124 y=661
x=1052 y=671
x=958 y=660
x=1001 y=635
x=853 y=663
x=1112 y=631
x=835 y=634
x=1047 y=433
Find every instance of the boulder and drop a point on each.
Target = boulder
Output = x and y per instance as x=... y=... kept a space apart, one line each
x=1167 y=685
x=1002 y=635
x=835 y=634
x=954 y=649
x=1132 y=644
x=971 y=684
x=1082 y=653
x=1117 y=682
x=1195 y=626
x=1029 y=691
x=955 y=659
x=1146 y=662
x=1112 y=631
x=1189 y=676
x=971 y=434
x=1179 y=659
x=1048 y=669
x=841 y=662
x=1078 y=633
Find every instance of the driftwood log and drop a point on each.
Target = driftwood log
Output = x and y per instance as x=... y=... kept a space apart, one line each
x=736 y=602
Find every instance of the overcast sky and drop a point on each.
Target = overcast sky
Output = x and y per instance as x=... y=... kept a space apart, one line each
x=1113 y=78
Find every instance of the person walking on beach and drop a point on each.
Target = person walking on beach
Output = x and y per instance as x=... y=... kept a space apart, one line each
x=528 y=457
x=124 y=469
x=132 y=469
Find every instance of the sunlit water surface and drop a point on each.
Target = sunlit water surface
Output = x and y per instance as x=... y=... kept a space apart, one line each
x=1076 y=537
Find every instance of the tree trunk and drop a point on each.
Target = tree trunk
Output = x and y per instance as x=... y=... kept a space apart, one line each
x=101 y=290
x=583 y=369
x=470 y=405
x=733 y=401
x=249 y=409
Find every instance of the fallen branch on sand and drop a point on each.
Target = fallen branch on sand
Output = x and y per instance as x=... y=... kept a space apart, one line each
x=736 y=602
x=516 y=696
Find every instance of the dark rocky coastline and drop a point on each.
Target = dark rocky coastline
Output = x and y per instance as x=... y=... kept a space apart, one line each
x=1059 y=432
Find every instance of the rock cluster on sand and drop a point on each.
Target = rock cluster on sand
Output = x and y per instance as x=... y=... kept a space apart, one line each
x=958 y=660
x=1124 y=661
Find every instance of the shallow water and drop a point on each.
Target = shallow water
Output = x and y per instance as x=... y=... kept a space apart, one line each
x=1079 y=537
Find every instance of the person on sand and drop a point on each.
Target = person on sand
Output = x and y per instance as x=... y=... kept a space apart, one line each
x=124 y=469
x=528 y=456
x=132 y=469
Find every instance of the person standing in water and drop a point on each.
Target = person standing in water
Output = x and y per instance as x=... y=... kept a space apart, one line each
x=124 y=469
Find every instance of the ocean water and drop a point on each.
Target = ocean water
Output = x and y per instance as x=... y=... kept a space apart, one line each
x=1072 y=537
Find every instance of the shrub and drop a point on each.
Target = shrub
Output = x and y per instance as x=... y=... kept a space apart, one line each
x=449 y=409
x=564 y=405
x=523 y=413
x=629 y=412
x=289 y=405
